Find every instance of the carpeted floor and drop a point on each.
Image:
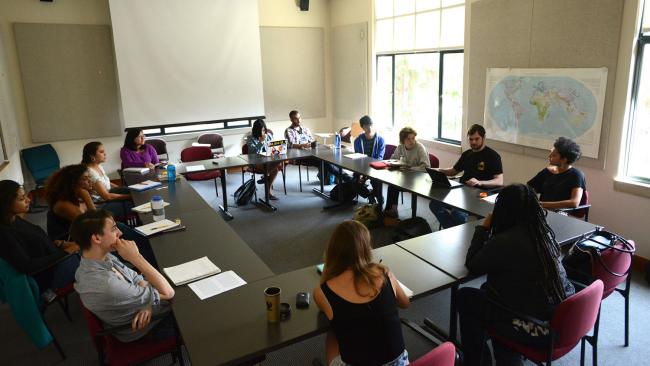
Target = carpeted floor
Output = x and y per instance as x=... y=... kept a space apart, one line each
x=294 y=237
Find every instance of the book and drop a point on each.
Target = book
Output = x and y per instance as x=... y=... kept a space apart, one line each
x=140 y=170
x=156 y=227
x=146 y=207
x=143 y=186
x=216 y=284
x=194 y=168
x=191 y=271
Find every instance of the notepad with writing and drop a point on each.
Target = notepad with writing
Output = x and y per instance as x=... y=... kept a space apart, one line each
x=216 y=284
x=156 y=227
x=146 y=207
x=191 y=271
x=143 y=186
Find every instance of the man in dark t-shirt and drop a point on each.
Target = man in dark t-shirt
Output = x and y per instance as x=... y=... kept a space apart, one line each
x=481 y=167
x=560 y=185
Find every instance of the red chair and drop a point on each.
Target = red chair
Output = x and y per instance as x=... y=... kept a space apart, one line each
x=582 y=211
x=111 y=351
x=571 y=321
x=443 y=355
x=216 y=143
x=389 y=150
x=196 y=153
x=433 y=161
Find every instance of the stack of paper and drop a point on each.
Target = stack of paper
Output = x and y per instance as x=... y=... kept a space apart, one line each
x=356 y=156
x=140 y=170
x=147 y=184
x=146 y=207
x=191 y=271
x=216 y=284
x=156 y=227
x=194 y=168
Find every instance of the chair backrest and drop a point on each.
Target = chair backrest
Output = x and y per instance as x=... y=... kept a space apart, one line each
x=617 y=262
x=41 y=161
x=194 y=153
x=584 y=200
x=214 y=139
x=94 y=326
x=576 y=315
x=433 y=160
x=244 y=149
x=389 y=150
x=443 y=355
x=355 y=130
x=345 y=134
x=159 y=145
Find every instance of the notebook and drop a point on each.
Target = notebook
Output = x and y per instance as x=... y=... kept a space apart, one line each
x=191 y=271
x=146 y=207
x=156 y=227
x=140 y=170
x=143 y=186
x=439 y=179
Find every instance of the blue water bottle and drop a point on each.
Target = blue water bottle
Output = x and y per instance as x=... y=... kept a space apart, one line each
x=337 y=141
x=171 y=173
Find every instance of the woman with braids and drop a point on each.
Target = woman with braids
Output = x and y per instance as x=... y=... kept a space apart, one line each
x=360 y=298
x=517 y=250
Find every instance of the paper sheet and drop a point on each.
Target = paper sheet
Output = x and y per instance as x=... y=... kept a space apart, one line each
x=491 y=198
x=194 y=168
x=407 y=291
x=355 y=156
x=217 y=284
x=146 y=207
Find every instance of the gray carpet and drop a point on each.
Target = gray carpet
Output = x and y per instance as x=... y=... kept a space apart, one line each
x=295 y=237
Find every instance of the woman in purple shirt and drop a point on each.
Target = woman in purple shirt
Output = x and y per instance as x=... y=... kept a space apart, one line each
x=135 y=153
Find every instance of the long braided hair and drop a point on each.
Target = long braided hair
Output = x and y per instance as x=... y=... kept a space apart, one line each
x=517 y=204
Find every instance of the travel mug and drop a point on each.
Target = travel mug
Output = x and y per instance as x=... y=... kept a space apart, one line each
x=272 y=297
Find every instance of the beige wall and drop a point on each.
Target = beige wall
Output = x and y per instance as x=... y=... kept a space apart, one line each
x=14 y=115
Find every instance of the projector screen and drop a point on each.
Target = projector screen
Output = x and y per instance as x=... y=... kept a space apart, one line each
x=187 y=61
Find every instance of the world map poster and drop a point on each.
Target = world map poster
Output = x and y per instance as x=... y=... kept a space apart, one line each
x=533 y=107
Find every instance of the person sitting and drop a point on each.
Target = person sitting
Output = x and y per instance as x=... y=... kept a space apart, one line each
x=135 y=152
x=360 y=298
x=372 y=145
x=481 y=167
x=517 y=250
x=258 y=142
x=116 y=294
x=26 y=246
x=560 y=185
x=300 y=137
x=414 y=156
x=102 y=189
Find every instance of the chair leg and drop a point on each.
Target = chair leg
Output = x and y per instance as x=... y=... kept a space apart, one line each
x=402 y=193
x=300 y=177
x=242 y=175
x=626 y=296
x=216 y=188
x=594 y=340
x=307 y=167
x=64 y=306
x=582 y=352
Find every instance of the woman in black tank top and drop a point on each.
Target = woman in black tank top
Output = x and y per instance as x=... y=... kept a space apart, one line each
x=360 y=298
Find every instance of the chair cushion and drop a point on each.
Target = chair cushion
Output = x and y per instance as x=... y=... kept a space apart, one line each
x=532 y=353
x=203 y=175
x=136 y=352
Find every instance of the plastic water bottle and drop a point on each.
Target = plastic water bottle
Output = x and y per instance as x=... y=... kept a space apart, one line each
x=337 y=141
x=171 y=173
x=157 y=208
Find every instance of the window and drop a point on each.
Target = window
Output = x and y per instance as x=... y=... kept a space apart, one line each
x=637 y=158
x=199 y=126
x=419 y=68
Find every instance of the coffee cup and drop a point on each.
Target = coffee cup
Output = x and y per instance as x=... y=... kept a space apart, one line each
x=272 y=298
x=314 y=144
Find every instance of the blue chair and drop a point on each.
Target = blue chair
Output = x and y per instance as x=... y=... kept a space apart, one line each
x=22 y=294
x=41 y=161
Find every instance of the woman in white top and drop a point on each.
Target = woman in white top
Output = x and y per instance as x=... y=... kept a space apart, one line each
x=102 y=189
x=414 y=156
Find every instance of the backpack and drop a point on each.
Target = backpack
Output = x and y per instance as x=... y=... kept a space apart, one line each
x=344 y=192
x=410 y=228
x=245 y=192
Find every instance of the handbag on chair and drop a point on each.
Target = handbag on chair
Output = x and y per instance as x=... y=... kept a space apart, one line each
x=588 y=251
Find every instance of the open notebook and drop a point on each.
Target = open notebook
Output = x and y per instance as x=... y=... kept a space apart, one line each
x=191 y=271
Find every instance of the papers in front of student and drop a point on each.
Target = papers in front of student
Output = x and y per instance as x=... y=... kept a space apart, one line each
x=143 y=186
x=194 y=168
x=491 y=198
x=200 y=144
x=394 y=162
x=156 y=227
x=355 y=156
x=140 y=170
x=146 y=207
x=191 y=271
x=407 y=291
x=215 y=285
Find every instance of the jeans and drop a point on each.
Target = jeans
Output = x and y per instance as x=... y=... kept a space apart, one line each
x=447 y=218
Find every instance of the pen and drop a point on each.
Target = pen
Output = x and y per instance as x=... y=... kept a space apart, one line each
x=381 y=260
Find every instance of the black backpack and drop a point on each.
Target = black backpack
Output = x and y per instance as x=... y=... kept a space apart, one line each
x=245 y=192
x=411 y=228
x=344 y=192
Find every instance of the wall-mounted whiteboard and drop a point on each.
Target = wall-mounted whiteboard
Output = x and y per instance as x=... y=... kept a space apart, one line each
x=293 y=64
x=187 y=61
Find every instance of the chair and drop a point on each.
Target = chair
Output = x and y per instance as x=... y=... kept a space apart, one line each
x=433 y=161
x=41 y=161
x=111 y=351
x=571 y=321
x=195 y=153
x=22 y=294
x=419 y=340
x=253 y=171
x=216 y=143
x=443 y=355
x=389 y=150
x=344 y=132
x=161 y=148
x=582 y=210
x=619 y=263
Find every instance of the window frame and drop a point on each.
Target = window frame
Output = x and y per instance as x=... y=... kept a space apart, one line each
x=227 y=125
x=440 y=65
x=642 y=41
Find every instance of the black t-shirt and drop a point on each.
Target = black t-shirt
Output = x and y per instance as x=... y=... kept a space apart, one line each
x=557 y=187
x=482 y=165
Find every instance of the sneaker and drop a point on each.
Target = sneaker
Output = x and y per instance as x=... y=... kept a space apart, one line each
x=261 y=180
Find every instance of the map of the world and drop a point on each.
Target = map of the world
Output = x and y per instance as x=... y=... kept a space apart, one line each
x=533 y=107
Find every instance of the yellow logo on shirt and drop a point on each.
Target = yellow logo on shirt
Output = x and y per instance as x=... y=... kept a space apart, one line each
x=481 y=165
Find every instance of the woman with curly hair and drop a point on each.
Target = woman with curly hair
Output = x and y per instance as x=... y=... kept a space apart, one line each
x=67 y=193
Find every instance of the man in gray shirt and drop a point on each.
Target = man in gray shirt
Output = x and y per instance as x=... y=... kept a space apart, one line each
x=113 y=292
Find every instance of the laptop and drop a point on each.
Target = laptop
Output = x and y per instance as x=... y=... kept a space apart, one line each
x=276 y=147
x=440 y=179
